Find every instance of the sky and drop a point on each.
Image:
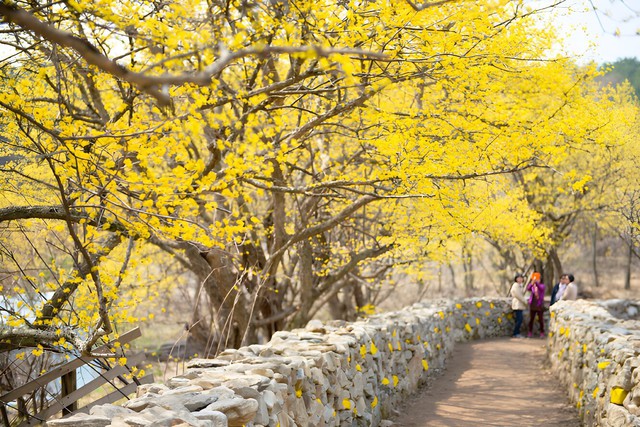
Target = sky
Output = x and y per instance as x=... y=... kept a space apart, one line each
x=591 y=35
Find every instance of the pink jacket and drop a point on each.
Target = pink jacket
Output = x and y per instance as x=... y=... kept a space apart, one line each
x=536 y=300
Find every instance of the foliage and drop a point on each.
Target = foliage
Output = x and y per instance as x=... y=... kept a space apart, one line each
x=288 y=156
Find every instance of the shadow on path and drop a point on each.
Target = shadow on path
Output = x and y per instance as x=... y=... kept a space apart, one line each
x=497 y=382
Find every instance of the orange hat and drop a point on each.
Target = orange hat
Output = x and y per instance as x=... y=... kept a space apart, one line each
x=535 y=276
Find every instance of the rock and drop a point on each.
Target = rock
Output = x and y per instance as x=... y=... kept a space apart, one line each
x=151 y=388
x=110 y=411
x=206 y=363
x=164 y=417
x=80 y=420
x=315 y=326
x=217 y=418
x=239 y=411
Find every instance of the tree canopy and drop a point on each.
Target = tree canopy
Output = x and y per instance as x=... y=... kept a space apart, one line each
x=283 y=156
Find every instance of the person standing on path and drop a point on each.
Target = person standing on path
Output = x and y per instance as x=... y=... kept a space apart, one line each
x=536 y=303
x=518 y=303
x=559 y=288
x=571 y=293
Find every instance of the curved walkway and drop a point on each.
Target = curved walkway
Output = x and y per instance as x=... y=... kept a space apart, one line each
x=497 y=382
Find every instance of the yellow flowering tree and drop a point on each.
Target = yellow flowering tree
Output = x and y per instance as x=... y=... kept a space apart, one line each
x=286 y=155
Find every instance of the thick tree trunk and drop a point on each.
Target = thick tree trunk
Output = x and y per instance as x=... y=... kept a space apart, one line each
x=306 y=283
x=226 y=293
x=337 y=308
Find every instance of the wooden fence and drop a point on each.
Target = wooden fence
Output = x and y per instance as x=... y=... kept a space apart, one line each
x=67 y=401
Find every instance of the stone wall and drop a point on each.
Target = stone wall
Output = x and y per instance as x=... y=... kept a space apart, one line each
x=593 y=348
x=338 y=374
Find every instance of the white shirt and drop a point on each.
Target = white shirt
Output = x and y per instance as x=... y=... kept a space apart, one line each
x=560 y=291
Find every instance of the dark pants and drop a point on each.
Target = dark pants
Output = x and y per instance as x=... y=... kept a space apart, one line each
x=540 y=314
x=516 y=330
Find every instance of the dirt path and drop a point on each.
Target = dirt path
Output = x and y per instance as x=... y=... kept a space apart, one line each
x=499 y=382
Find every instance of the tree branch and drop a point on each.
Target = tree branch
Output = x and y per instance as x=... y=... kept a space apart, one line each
x=155 y=86
x=12 y=338
x=317 y=229
x=64 y=292
x=423 y=6
x=58 y=213
x=349 y=266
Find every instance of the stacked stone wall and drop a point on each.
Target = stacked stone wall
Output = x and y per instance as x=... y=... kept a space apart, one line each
x=349 y=374
x=594 y=349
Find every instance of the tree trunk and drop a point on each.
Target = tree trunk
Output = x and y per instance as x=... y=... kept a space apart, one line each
x=627 y=275
x=594 y=255
x=453 y=276
x=226 y=293
x=467 y=264
x=553 y=276
x=337 y=308
x=305 y=283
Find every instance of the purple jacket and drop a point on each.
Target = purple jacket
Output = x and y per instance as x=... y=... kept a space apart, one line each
x=536 y=300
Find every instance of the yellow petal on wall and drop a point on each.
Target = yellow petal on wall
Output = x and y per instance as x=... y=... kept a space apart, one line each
x=617 y=395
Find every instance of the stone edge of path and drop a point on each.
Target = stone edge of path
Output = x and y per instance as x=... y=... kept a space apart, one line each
x=594 y=348
x=331 y=374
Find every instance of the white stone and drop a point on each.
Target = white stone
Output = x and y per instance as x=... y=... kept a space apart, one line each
x=239 y=411
x=81 y=420
x=217 y=418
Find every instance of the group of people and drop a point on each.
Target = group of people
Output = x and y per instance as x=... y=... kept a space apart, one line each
x=531 y=296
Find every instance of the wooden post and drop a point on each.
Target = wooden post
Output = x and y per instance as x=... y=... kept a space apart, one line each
x=5 y=417
x=69 y=386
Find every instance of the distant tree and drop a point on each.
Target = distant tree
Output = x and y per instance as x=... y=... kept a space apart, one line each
x=626 y=69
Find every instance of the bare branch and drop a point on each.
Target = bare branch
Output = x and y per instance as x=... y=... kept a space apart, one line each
x=309 y=190
x=423 y=6
x=349 y=266
x=317 y=229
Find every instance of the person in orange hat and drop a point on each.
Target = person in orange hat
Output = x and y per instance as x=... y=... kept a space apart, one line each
x=536 y=303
